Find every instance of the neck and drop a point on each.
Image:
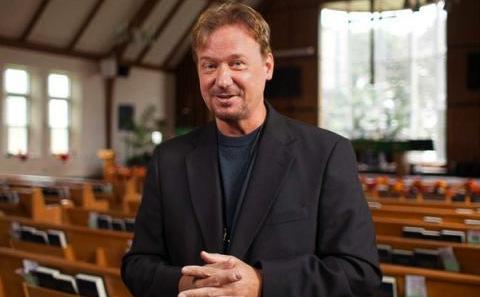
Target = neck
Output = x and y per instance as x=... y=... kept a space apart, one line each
x=243 y=126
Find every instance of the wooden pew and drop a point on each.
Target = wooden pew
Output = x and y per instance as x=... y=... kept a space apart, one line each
x=393 y=226
x=438 y=283
x=83 y=196
x=37 y=208
x=424 y=213
x=80 y=216
x=13 y=282
x=102 y=247
x=424 y=203
x=466 y=254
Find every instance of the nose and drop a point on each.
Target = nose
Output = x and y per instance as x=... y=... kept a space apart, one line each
x=224 y=77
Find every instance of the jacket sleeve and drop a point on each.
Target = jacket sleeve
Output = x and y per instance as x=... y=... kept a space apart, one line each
x=345 y=262
x=145 y=267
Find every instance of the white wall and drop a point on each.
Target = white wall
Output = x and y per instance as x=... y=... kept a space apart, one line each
x=140 y=88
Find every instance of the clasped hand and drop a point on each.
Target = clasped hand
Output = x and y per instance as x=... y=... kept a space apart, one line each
x=222 y=275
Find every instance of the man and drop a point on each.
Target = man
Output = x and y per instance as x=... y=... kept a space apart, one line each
x=252 y=204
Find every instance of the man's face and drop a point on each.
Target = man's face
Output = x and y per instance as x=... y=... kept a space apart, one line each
x=232 y=73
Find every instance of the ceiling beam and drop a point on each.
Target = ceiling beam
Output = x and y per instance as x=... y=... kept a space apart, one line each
x=33 y=21
x=159 y=30
x=174 y=49
x=86 y=22
x=137 y=22
x=47 y=49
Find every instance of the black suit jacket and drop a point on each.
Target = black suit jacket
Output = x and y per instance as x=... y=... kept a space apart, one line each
x=304 y=220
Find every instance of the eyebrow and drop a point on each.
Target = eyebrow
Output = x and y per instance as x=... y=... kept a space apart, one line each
x=234 y=56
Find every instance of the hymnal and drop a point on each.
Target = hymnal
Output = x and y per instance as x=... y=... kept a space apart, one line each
x=431 y=235
x=403 y=257
x=118 y=224
x=449 y=261
x=384 y=253
x=57 y=238
x=415 y=286
x=388 y=288
x=427 y=258
x=412 y=232
x=90 y=285
x=473 y=236
x=92 y=220
x=475 y=197
x=66 y=283
x=452 y=235
x=129 y=225
x=104 y=222
x=39 y=236
x=46 y=277
x=432 y=220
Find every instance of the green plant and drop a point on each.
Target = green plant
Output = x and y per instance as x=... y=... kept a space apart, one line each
x=139 y=139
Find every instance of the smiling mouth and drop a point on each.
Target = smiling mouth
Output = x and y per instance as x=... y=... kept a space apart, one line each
x=224 y=96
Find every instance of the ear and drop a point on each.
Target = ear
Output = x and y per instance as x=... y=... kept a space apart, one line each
x=269 y=65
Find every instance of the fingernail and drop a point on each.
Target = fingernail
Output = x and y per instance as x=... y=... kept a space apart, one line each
x=238 y=276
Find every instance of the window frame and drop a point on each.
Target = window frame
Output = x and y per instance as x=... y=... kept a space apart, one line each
x=28 y=99
x=68 y=100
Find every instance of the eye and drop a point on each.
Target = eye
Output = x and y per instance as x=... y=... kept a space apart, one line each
x=208 y=66
x=238 y=64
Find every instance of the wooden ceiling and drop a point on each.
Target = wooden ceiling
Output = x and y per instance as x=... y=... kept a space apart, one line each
x=143 y=33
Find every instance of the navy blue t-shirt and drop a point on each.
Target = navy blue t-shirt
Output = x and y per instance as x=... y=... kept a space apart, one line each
x=234 y=154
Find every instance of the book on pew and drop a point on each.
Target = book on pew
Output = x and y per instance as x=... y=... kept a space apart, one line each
x=45 y=277
x=415 y=286
x=449 y=260
x=66 y=283
x=90 y=285
x=384 y=253
x=431 y=235
x=92 y=220
x=473 y=236
x=460 y=196
x=403 y=257
x=39 y=236
x=427 y=258
x=452 y=235
x=104 y=222
x=31 y=234
x=9 y=197
x=25 y=232
x=388 y=287
x=412 y=232
x=475 y=197
x=118 y=224
x=129 y=225
x=57 y=238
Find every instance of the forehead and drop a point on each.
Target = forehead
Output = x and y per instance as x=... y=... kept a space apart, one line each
x=229 y=39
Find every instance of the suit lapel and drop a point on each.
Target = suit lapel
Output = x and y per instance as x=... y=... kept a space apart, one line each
x=271 y=166
x=205 y=190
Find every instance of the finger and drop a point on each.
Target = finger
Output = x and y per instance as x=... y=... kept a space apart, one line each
x=198 y=271
x=204 y=292
x=219 y=279
x=211 y=258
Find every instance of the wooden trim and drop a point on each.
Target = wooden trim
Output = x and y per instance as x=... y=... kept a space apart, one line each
x=109 y=87
x=93 y=12
x=47 y=49
x=159 y=30
x=137 y=22
x=33 y=21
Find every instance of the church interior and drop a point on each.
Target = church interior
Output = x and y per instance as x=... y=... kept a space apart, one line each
x=90 y=87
